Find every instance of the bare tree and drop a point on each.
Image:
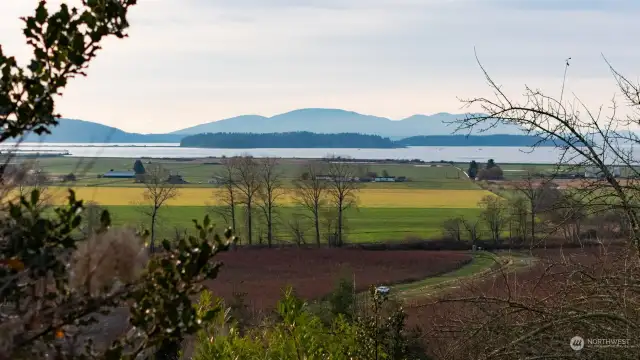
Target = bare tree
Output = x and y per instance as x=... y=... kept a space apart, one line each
x=298 y=227
x=568 y=214
x=538 y=191
x=248 y=184
x=586 y=137
x=310 y=192
x=494 y=215
x=271 y=188
x=472 y=226
x=157 y=192
x=343 y=186
x=20 y=180
x=329 y=221
x=228 y=197
x=588 y=293
x=518 y=218
x=452 y=228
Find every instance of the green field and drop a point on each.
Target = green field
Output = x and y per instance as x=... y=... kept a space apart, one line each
x=198 y=172
x=364 y=224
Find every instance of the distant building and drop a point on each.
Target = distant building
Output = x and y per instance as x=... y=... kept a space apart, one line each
x=176 y=179
x=119 y=174
x=332 y=178
x=385 y=179
x=217 y=180
x=324 y=177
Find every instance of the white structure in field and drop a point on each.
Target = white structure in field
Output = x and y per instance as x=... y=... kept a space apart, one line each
x=383 y=290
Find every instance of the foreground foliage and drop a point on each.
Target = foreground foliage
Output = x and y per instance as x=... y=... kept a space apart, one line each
x=42 y=313
x=298 y=333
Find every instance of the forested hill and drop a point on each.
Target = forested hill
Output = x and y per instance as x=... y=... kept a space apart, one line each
x=300 y=139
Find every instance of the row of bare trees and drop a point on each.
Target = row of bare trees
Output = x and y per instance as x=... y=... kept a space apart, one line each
x=259 y=185
x=533 y=211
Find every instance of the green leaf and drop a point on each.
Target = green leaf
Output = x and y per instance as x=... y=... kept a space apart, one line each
x=105 y=219
x=210 y=314
x=15 y=211
x=35 y=196
x=41 y=13
x=76 y=222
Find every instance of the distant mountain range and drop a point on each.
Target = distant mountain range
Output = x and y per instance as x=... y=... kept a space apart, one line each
x=329 y=121
x=80 y=131
x=321 y=121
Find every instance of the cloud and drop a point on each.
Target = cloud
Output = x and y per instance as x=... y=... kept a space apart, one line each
x=192 y=61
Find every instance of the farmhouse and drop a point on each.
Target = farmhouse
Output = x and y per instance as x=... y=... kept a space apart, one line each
x=330 y=177
x=119 y=174
x=385 y=179
x=390 y=179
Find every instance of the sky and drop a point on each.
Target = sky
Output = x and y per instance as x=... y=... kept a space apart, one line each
x=188 y=62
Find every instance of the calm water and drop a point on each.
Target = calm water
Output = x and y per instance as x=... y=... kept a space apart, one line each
x=425 y=153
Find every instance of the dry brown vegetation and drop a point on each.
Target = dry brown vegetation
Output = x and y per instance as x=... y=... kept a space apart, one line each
x=534 y=313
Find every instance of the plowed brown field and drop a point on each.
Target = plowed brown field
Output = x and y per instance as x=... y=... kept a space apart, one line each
x=263 y=274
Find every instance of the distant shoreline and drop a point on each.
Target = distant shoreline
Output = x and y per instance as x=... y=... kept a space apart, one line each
x=415 y=162
x=80 y=145
x=458 y=154
x=303 y=140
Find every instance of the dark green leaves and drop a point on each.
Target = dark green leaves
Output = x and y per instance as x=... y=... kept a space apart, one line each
x=35 y=196
x=41 y=13
x=163 y=302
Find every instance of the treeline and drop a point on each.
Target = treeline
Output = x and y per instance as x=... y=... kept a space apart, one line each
x=301 y=139
x=254 y=187
x=476 y=140
x=305 y=139
x=533 y=213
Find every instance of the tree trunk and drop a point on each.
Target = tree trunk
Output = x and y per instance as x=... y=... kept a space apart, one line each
x=269 y=225
x=533 y=225
x=249 y=221
x=152 y=245
x=316 y=219
x=233 y=216
x=339 y=240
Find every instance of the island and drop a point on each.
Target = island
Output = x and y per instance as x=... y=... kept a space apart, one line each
x=299 y=139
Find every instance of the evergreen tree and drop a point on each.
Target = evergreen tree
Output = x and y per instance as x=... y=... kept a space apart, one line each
x=138 y=167
x=473 y=169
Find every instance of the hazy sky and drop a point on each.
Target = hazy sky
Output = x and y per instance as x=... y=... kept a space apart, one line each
x=194 y=61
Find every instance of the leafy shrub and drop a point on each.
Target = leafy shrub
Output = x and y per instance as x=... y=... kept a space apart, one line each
x=379 y=334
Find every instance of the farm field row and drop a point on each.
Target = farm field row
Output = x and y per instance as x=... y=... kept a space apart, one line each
x=361 y=225
x=367 y=198
x=198 y=172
